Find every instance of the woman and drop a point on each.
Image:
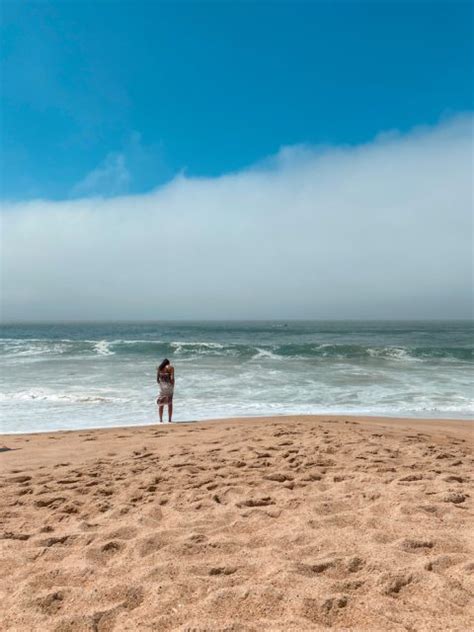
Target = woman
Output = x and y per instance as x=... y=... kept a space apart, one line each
x=165 y=379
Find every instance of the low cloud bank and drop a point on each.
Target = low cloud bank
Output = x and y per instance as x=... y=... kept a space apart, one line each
x=382 y=230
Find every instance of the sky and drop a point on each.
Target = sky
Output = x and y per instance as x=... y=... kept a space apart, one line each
x=236 y=159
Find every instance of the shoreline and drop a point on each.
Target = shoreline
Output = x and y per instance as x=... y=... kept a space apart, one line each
x=334 y=416
x=274 y=523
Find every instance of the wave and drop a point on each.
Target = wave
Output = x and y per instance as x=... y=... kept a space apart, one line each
x=63 y=348
x=267 y=354
x=73 y=398
x=360 y=352
x=103 y=348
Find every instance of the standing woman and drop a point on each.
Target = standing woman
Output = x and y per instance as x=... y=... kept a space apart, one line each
x=165 y=379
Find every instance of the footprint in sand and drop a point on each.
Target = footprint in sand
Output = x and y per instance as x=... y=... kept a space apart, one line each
x=392 y=583
x=51 y=604
x=10 y=535
x=323 y=612
x=315 y=568
x=355 y=564
x=130 y=597
x=149 y=545
x=410 y=478
x=453 y=497
x=442 y=563
x=19 y=479
x=219 y=571
x=416 y=546
x=348 y=586
x=53 y=541
x=278 y=477
x=123 y=533
x=102 y=554
x=52 y=503
x=256 y=502
x=454 y=479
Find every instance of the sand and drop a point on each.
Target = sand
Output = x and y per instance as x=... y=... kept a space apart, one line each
x=286 y=523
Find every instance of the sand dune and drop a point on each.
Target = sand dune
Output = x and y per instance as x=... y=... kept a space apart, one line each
x=300 y=523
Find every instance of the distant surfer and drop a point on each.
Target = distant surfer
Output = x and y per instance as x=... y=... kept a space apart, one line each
x=165 y=379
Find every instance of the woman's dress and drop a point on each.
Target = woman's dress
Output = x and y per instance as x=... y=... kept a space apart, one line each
x=166 y=387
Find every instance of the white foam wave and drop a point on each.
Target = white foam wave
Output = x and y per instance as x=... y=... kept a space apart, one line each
x=208 y=345
x=32 y=347
x=392 y=353
x=102 y=347
x=140 y=341
x=197 y=347
x=47 y=396
x=265 y=353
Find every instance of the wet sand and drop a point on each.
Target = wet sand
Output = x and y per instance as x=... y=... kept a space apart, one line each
x=284 y=523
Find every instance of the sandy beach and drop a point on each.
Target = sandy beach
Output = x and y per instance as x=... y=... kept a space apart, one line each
x=284 y=523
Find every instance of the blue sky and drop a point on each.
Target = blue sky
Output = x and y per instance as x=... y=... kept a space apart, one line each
x=118 y=97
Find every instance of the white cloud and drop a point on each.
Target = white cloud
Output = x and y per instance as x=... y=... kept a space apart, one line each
x=109 y=178
x=136 y=165
x=382 y=230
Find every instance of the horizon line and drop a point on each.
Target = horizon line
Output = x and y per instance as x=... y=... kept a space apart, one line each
x=222 y=320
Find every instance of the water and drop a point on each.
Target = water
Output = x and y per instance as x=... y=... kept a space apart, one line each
x=65 y=376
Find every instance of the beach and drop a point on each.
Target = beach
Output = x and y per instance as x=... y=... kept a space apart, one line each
x=274 y=523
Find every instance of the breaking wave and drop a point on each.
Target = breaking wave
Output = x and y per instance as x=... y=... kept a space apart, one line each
x=47 y=396
x=48 y=349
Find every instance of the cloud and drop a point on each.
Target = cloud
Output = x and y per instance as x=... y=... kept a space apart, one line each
x=110 y=178
x=381 y=230
x=136 y=165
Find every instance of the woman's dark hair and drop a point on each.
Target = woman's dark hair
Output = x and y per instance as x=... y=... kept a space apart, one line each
x=163 y=364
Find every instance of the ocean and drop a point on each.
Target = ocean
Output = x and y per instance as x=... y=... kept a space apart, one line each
x=65 y=376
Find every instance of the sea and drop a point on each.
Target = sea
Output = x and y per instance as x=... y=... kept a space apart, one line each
x=64 y=376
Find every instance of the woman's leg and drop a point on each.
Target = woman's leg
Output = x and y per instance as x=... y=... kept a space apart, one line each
x=161 y=408
x=170 y=410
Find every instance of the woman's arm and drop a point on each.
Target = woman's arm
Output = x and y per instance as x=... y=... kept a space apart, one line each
x=172 y=375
